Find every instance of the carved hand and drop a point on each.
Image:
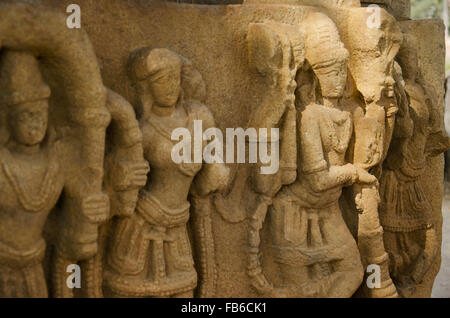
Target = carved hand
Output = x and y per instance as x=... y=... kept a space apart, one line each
x=127 y=176
x=96 y=208
x=350 y=173
x=366 y=177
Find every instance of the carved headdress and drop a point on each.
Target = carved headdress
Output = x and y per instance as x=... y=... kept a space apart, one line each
x=147 y=62
x=20 y=79
x=322 y=41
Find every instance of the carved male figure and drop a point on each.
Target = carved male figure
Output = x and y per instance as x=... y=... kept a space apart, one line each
x=405 y=212
x=31 y=178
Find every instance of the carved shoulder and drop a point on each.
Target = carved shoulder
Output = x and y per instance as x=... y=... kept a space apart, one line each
x=201 y=112
x=147 y=133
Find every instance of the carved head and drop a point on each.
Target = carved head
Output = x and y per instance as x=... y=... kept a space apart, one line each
x=326 y=54
x=24 y=93
x=159 y=73
x=373 y=50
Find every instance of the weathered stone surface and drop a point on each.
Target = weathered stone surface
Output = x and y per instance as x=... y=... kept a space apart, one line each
x=321 y=3
x=337 y=97
x=431 y=54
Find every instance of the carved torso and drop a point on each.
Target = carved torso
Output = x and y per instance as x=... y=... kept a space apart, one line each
x=166 y=177
x=31 y=186
x=324 y=139
x=151 y=254
x=414 y=156
x=405 y=207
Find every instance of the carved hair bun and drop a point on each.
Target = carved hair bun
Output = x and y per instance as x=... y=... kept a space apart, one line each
x=20 y=79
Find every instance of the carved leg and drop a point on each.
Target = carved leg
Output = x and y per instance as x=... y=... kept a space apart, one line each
x=93 y=269
x=347 y=272
x=28 y=282
x=202 y=226
x=59 y=277
x=410 y=259
x=371 y=244
x=427 y=256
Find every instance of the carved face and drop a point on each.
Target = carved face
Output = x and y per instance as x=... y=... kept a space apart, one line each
x=28 y=122
x=165 y=87
x=332 y=79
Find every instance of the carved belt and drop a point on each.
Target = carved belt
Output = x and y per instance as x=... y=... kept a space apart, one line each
x=22 y=258
x=156 y=213
x=303 y=238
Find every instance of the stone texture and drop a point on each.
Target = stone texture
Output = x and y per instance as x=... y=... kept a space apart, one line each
x=433 y=49
x=316 y=70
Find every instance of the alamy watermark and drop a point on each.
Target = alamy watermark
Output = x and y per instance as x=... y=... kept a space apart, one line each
x=73 y=21
x=262 y=148
x=374 y=279
x=74 y=279
x=374 y=20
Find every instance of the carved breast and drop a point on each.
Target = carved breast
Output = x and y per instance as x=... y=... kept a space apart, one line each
x=336 y=131
x=161 y=145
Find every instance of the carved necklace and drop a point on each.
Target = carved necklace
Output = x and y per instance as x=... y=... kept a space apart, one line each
x=188 y=169
x=339 y=144
x=32 y=200
x=161 y=129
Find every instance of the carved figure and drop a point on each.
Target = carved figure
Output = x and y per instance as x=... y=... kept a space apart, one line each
x=405 y=211
x=276 y=52
x=373 y=106
x=308 y=231
x=32 y=177
x=151 y=254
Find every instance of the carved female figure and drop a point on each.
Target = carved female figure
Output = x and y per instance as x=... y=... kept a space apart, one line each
x=317 y=255
x=151 y=254
x=405 y=212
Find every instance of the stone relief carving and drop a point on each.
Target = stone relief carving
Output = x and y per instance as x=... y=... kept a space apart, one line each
x=87 y=176
x=276 y=52
x=125 y=174
x=31 y=175
x=298 y=215
x=373 y=105
x=41 y=152
x=150 y=253
x=405 y=212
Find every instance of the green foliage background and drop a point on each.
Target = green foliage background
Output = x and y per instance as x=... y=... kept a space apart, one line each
x=426 y=8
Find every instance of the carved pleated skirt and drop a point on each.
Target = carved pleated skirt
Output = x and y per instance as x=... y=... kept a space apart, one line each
x=313 y=247
x=21 y=272
x=150 y=254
